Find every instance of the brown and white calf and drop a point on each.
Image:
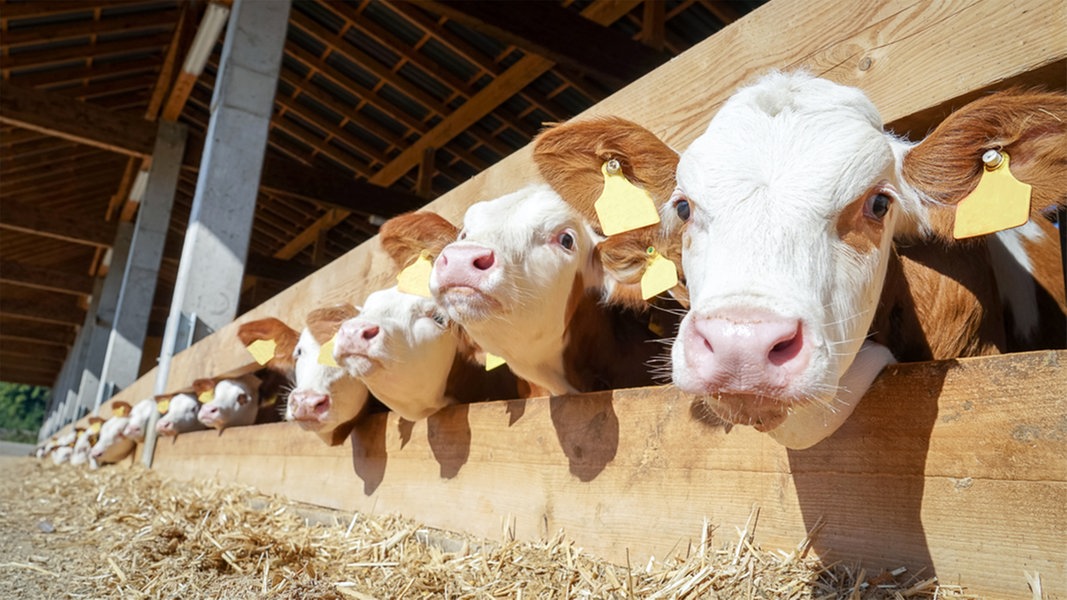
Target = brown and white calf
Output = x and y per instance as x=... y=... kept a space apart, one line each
x=524 y=281
x=324 y=399
x=112 y=445
x=795 y=197
x=139 y=416
x=232 y=402
x=180 y=415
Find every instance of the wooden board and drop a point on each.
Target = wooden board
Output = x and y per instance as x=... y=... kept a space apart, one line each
x=956 y=466
x=921 y=55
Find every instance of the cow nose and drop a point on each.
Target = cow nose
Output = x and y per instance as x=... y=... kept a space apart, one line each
x=748 y=351
x=464 y=264
x=354 y=337
x=307 y=405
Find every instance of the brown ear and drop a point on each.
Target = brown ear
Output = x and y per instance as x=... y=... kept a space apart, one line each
x=1030 y=126
x=624 y=259
x=570 y=157
x=202 y=385
x=405 y=236
x=324 y=322
x=285 y=340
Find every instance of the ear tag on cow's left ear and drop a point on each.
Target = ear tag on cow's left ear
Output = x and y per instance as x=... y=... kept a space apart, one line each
x=206 y=396
x=660 y=275
x=999 y=202
x=415 y=278
x=623 y=206
x=262 y=350
x=118 y=411
x=326 y=355
x=269 y=401
x=94 y=427
x=492 y=361
x=163 y=406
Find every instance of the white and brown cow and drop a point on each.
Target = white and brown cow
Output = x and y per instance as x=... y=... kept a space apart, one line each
x=180 y=415
x=796 y=196
x=324 y=399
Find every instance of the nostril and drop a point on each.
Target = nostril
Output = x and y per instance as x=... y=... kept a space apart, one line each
x=787 y=347
x=370 y=332
x=322 y=405
x=484 y=261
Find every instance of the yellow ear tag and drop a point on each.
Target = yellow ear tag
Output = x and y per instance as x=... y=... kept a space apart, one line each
x=94 y=428
x=660 y=275
x=206 y=397
x=326 y=355
x=492 y=361
x=999 y=202
x=118 y=411
x=623 y=206
x=163 y=406
x=269 y=401
x=415 y=278
x=262 y=350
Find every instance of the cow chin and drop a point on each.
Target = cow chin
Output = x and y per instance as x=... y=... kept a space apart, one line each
x=359 y=365
x=467 y=305
x=764 y=413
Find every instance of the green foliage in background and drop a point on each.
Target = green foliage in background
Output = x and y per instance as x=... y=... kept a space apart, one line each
x=21 y=411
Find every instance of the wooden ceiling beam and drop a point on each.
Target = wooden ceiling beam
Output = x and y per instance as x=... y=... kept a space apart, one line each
x=47 y=308
x=21 y=361
x=38 y=378
x=28 y=219
x=60 y=116
x=48 y=79
x=722 y=11
x=68 y=30
x=68 y=54
x=66 y=154
x=31 y=350
x=43 y=278
x=42 y=333
x=14 y=11
x=85 y=166
x=53 y=189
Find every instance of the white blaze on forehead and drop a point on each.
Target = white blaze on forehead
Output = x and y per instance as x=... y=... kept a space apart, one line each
x=407 y=362
x=139 y=416
x=519 y=308
x=347 y=394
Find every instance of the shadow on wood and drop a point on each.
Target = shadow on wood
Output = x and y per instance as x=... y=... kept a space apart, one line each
x=588 y=431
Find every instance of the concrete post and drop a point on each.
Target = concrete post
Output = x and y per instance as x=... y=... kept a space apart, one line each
x=122 y=358
x=220 y=224
x=70 y=375
x=104 y=317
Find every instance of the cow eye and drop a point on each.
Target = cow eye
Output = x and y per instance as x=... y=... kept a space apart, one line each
x=439 y=318
x=566 y=239
x=462 y=235
x=682 y=208
x=878 y=205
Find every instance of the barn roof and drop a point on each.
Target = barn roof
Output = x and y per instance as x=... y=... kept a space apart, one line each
x=361 y=83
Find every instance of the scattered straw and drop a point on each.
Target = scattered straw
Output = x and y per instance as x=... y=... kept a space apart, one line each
x=154 y=538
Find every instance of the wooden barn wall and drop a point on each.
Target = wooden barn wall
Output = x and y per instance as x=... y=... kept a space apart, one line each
x=959 y=466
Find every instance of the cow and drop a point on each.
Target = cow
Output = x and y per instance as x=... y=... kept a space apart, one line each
x=86 y=439
x=64 y=446
x=112 y=445
x=523 y=279
x=178 y=414
x=139 y=416
x=324 y=400
x=797 y=205
x=230 y=402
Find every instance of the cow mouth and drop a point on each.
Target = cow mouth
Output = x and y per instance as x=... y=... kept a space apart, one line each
x=764 y=413
x=358 y=364
x=468 y=302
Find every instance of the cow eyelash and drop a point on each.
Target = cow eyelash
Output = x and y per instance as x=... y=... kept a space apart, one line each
x=877 y=204
x=439 y=318
x=681 y=206
x=568 y=239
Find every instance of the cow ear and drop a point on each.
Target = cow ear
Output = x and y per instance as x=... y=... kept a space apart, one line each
x=406 y=236
x=570 y=158
x=1031 y=127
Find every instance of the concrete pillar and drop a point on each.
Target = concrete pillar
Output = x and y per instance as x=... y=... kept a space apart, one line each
x=220 y=224
x=104 y=317
x=122 y=357
x=70 y=375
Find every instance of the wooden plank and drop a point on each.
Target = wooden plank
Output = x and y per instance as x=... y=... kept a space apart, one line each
x=958 y=466
x=66 y=30
x=17 y=349
x=57 y=115
x=17 y=329
x=985 y=43
x=17 y=376
x=55 y=280
x=558 y=34
x=28 y=219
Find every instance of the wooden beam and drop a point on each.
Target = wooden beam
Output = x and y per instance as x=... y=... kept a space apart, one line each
x=65 y=30
x=424 y=183
x=558 y=34
x=49 y=309
x=12 y=348
x=64 y=54
x=29 y=219
x=653 y=25
x=953 y=469
x=17 y=329
x=12 y=375
x=55 y=280
x=57 y=115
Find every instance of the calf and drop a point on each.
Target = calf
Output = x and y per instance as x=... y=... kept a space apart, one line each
x=794 y=197
x=64 y=446
x=112 y=445
x=228 y=402
x=178 y=414
x=324 y=399
x=139 y=416
x=86 y=439
x=524 y=281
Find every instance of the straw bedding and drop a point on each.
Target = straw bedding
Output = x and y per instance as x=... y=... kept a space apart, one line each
x=129 y=533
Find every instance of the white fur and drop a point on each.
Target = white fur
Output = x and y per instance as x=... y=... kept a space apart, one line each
x=139 y=416
x=406 y=365
x=82 y=446
x=237 y=401
x=347 y=394
x=112 y=446
x=519 y=313
x=182 y=413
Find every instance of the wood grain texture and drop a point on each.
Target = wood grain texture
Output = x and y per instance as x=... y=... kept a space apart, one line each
x=956 y=466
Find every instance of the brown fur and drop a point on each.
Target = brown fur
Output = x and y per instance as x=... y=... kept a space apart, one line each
x=285 y=339
x=405 y=236
x=1030 y=126
x=205 y=384
x=324 y=322
x=570 y=157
